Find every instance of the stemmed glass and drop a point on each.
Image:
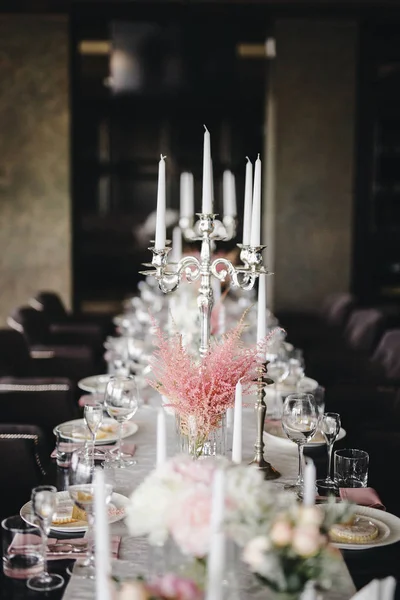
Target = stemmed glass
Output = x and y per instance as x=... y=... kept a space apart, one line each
x=278 y=371
x=330 y=428
x=121 y=403
x=81 y=491
x=93 y=414
x=44 y=505
x=299 y=422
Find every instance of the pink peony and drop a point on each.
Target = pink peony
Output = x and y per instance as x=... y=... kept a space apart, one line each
x=170 y=586
x=194 y=471
x=306 y=540
x=281 y=533
x=190 y=522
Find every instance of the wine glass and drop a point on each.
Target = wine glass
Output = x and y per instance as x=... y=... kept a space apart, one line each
x=121 y=403
x=278 y=371
x=330 y=428
x=93 y=414
x=81 y=490
x=44 y=505
x=299 y=422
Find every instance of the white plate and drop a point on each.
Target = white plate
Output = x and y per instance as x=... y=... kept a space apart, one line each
x=275 y=431
x=118 y=503
x=128 y=428
x=388 y=525
x=95 y=383
x=307 y=385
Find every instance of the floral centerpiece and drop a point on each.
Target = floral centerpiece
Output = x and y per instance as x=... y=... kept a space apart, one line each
x=167 y=587
x=296 y=549
x=200 y=391
x=174 y=501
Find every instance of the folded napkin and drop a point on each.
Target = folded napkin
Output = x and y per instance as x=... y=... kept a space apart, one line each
x=91 y=399
x=126 y=447
x=377 y=589
x=62 y=549
x=363 y=496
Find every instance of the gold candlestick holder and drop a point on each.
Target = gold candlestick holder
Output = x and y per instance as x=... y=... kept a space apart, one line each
x=261 y=408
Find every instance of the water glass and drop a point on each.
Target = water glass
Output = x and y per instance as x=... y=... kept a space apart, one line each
x=69 y=439
x=351 y=468
x=22 y=556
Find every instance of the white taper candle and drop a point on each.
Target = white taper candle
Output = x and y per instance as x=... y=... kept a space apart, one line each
x=186 y=195
x=161 y=438
x=101 y=538
x=207 y=204
x=216 y=556
x=176 y=252
x=255 y=234
x=161 y=206
x=309 y=483
x=237 y=425
x=248 y=203
x=262 y=307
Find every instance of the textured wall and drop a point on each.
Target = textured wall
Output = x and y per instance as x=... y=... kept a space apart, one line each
x=34 y=161
x=315 y=95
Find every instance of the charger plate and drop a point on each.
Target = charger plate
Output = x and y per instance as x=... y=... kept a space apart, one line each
x=116 y=512
x=274 y=429
x=388 y=525
x=107 y=432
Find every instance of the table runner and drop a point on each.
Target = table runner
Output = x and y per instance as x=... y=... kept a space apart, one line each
x=134 y=551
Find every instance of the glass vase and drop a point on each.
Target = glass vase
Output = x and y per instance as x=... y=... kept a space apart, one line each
x=200 y=440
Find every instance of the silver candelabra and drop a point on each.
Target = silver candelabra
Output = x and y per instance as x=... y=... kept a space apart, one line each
x=207 y=230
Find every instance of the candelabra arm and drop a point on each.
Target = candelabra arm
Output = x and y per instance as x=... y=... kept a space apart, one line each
x=241 y=276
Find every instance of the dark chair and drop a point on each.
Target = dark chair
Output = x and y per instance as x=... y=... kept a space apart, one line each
x=41 y=402
x=23 y=465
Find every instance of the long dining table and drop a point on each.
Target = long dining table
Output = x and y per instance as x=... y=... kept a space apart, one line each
x=134 y=553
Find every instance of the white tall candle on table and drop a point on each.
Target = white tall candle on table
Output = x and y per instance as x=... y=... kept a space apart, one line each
x=161 y=203
x=186 y=195
x=207 y=204
x=161 y=438
x=229 y=194
x=101 y=538
x=216 y=556
x=309 y=483
x=248 y=203
x=262 y=308
x=237 y=425
x=255 y=234
x=176 y=253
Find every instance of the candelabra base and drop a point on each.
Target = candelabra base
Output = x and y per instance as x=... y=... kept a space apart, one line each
x=266 y=468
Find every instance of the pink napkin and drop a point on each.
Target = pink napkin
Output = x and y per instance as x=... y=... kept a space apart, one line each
x=53 y=543
x=363 y=496
x=90 y=399
x=127 y=448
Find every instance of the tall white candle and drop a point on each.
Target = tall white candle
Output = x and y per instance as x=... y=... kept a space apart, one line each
x=101 y=538
x=248 y=202
x=229 y=194
x=216 y=556
x=161 y=203
x=216 y=288
x=186 y=195
x=161 y=438
x=176 y=252
x=262 y=308
x=233 y=195
x=309 y=483
x=207 y=204
x=255 y=234
x=237 y=425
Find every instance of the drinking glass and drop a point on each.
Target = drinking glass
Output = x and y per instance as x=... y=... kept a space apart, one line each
x=93 y=414
x=351 y=468
x=330 y=427
x=121 y=402
x=44 y=505
x=69 y=439
x=278 y=371
x=22 y=555
x=81 y=491
x=299 y=422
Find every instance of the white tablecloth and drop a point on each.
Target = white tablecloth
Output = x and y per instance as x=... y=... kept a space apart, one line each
x=134 y=551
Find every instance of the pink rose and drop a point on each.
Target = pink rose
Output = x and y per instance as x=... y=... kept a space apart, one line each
x=310 y=515
x=133 y=590
x=306 y=540
x=189 y=523
x=281 y=533
x=173 y=587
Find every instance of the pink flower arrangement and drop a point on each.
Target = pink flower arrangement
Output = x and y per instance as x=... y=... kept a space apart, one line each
x=204 y=390
x=167 y=587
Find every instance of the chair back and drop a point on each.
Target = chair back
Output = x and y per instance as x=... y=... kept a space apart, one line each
x=32 y=323
x=51 y=304
x=15 y=359
x=337 y=308
x=365 y=329
x=387 y=354
x=22 y=465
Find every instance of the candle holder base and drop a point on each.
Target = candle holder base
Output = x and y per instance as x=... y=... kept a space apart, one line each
x=266 y=468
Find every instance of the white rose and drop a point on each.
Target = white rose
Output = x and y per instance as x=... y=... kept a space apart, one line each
x=281 y=533
x=254 y=552
x=306 y=540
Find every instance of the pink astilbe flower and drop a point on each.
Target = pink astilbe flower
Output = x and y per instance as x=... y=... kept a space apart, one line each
x=204 y=390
